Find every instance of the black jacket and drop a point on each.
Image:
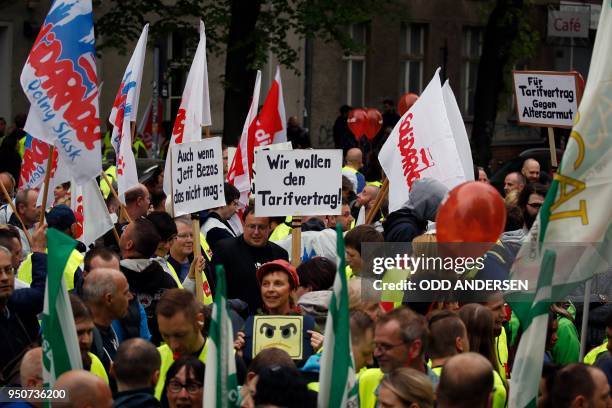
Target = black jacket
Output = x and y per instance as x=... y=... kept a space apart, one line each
x=147 y=285
x=403 y=226
x=241 y=262
x=141 y=398
x=19 y=328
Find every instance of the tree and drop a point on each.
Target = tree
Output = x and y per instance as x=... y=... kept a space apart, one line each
x=507 y=38
x=245 y=29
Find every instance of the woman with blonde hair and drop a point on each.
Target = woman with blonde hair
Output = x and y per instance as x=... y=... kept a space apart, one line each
x=405 y=388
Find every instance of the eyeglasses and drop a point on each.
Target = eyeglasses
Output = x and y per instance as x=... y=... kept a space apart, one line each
x=386 y=347
x=9 y=270
x=191 y=387
x=535 y=205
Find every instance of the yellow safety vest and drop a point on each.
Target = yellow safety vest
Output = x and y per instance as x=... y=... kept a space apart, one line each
x=108 y=147
x=97 y=368
x=167 y=358
x=281 y=231
x=137 y=146
x=74 y=261
x=501 y=352
x=174 y=275
x=208 y=298
x=368 y=383
x=374 y=183
x=22 y=146
x=592 y=355
x=111 y=172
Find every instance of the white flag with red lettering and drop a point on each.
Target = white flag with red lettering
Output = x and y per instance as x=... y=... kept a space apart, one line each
x=194 y=111
x=124 y=113
x=93 y=219
x=239 y=173
x=421 y=145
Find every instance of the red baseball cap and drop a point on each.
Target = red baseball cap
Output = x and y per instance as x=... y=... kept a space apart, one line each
x=279 y=265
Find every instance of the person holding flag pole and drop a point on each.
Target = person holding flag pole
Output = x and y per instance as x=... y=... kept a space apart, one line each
x=571 y=240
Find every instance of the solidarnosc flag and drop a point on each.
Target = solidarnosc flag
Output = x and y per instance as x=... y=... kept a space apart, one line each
x=194 y=111
x=34 y=163
x=571 y=239
x=124 y=113
x=421 y=145
x=60 y=344
x=60 y=81
x=220 y=381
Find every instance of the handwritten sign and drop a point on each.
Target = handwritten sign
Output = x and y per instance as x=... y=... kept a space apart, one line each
x=257 y=149
x=197 y=176
x=547 y=99
x=282 y=332
x=298 y=182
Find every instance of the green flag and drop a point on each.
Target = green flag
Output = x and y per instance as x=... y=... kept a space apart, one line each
x=59 y=338
x=571 y=240
x=220 y=381
x=337 y=375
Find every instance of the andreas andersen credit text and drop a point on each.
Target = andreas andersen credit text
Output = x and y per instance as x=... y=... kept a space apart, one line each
x=416 y=263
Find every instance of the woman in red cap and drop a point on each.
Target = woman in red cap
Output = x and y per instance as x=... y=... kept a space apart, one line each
x=278 y=281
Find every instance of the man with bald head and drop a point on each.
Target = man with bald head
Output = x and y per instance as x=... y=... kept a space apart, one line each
x=354 y=162
x=514 y=181
x=107 y=294
x=137 y=201
x=30 y=371
x=84 y=390
x=466 y=382
x=531 y=170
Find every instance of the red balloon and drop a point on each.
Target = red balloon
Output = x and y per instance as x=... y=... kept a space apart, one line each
x=406 y=101
x=357 y=122
x=473 y=213
x=374 y=123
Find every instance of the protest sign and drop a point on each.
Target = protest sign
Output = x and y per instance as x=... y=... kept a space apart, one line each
x=275 y=146
x=548 y=99
x=298 y=182
x=197 y=176
x=283 y=332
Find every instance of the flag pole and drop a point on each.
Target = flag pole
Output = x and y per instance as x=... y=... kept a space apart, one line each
x=46 y=187
x=114 y=193
x=553 y=148
x=10 y=202
x=380 y=198
x=296 y=240
x=585 y=318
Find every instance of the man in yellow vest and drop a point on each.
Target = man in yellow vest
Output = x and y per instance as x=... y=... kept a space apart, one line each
x=180 y=321
x=496 y=304
x=400 y=338
x=354 y=162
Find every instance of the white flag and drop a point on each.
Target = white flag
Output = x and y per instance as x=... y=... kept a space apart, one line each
x=124 y=112
x=421 y=145
x=194 y=112
x=240 y=168
x=60 y=81
x=93 y=219
x=460 y=134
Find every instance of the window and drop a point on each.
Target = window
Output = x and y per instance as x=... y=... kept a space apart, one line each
x=472 y=49
x=412 y=55
x=176 y=54
x=355 y=67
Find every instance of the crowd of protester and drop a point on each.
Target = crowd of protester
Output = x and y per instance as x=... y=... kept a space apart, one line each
x=143 y=336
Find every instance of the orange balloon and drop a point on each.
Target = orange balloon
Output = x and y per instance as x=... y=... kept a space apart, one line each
x=406 y=101
x=357 y=122
x=374 y=123
x=473 y=213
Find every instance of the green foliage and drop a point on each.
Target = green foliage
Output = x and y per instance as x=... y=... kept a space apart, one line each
x=120 y=22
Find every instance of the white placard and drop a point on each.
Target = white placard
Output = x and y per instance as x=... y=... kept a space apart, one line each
x=546 y=98
x=197 y=176
x=298 y=182
x=257 y=149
